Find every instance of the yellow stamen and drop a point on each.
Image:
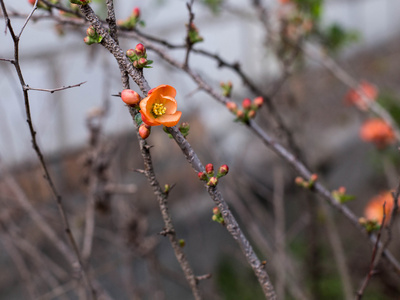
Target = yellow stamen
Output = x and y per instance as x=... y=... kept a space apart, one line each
x=159 y=109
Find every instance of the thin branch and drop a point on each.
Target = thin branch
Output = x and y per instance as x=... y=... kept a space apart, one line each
x=189 y=43
x=27 y=19
x=279 y=213
x=374 y=261
x=28 y=88
x=8 y=60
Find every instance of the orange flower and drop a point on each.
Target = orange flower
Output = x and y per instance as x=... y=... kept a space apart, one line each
x=365 y=88
x=374 y=209
x=159 y=107
x=378 y=132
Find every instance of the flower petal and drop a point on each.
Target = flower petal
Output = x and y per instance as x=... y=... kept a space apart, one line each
x=170 y=104
x=143 y=104
x=149 y=121
x=170 y=120
x=165 y=90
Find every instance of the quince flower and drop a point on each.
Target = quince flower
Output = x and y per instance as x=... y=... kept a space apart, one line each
x=378 y=132
x=374 y=209
x=365 y=88
x=159 y=107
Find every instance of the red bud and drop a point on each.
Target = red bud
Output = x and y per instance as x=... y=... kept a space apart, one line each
x=209 y=169
x=130 y=97
x=246 y=104
x=144 y=131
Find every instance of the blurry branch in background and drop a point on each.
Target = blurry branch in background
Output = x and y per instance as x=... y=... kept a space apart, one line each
x=280 y=236
x=57 y=196
x=313 y=53
x=338 y=252
x=19 y=263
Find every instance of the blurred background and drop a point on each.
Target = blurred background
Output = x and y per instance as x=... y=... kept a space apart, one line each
x=82 y=127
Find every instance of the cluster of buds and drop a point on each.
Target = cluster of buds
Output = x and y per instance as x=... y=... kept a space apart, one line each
x=248 y=110
x=341 y=196
x=92 y=36
x=217 y=216
x=306 y=184
x=138 y=57
x=43 y=5
x=80 y=2
x=369 y=225
x=193 y=34
x=226 y=88
x=209 y=176
x=131 y=22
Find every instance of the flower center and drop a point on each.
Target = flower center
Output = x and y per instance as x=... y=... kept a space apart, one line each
x=159 y=109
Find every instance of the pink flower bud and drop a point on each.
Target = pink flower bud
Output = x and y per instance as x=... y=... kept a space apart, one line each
x=313 y=177
x=87 y=40
x=144 y=131
x=232 y=106
x=223 y=170
x=209 y=169
x=246 y=104
x=251 y=114
x=130 y=53
x=130 y=97
x=342 y=190
x=136 y=12
x=202 y=176
x=141 y=62
x=258 y=101
x=91 y=31
x=213 y=181
x=140 y=50
x=239 y=114
x=299 y=180
x=216 y=210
